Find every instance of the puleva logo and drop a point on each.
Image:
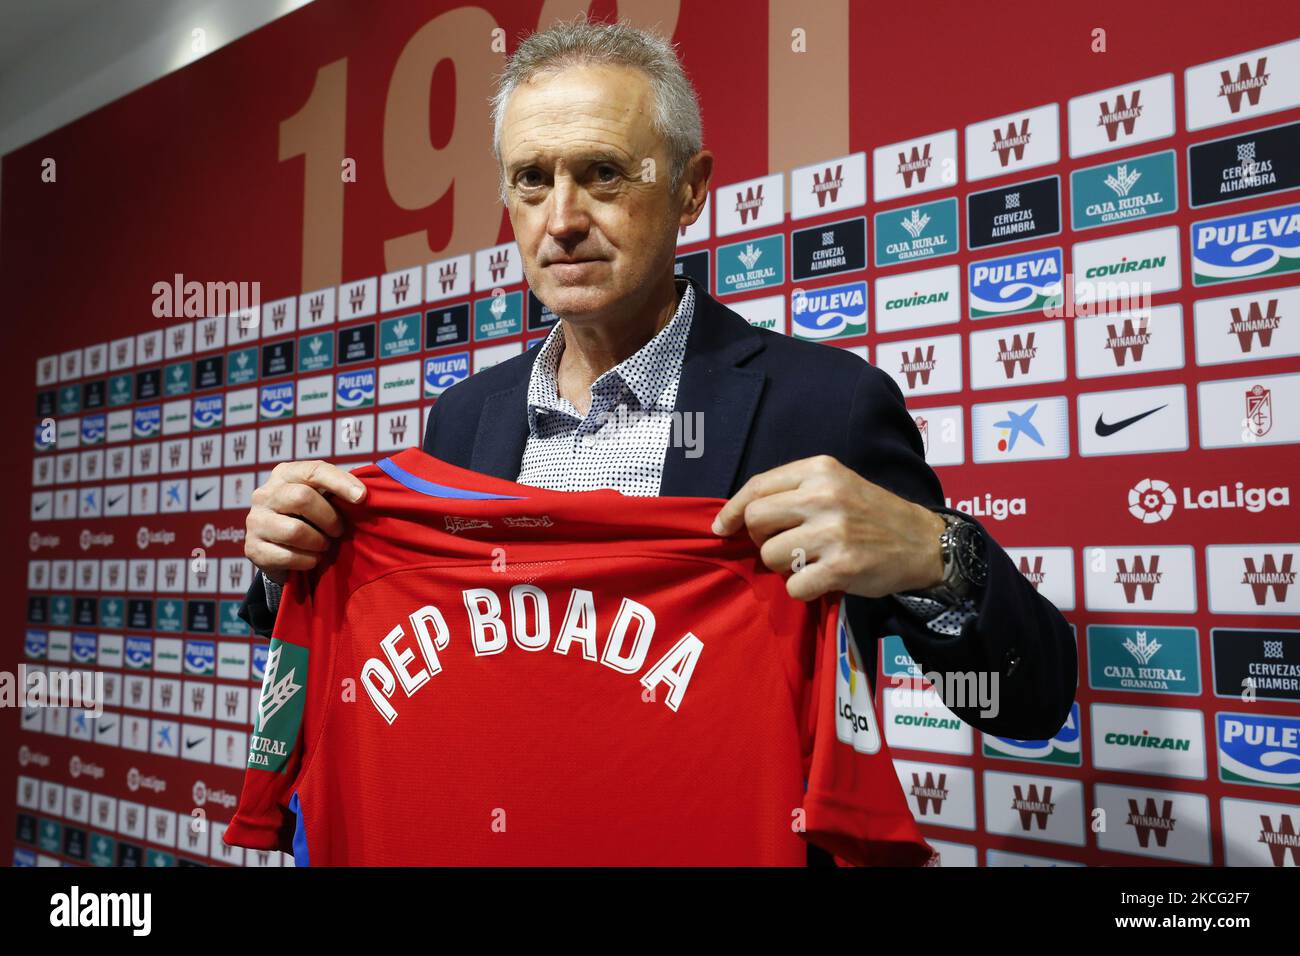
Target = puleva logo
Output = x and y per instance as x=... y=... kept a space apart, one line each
x=93 y=428
x=1025 y=282
x=355 y=389
x=829 y=313
x=1246 y=246
x=277 y=400
x=207 y=411
x=443 y=371
x=148 y=421
x=1259 y=749
x=1061 y=749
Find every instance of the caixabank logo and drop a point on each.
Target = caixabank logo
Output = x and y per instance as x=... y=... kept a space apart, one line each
x=1251 y=245
x=1259 y=749
x=1062 y=749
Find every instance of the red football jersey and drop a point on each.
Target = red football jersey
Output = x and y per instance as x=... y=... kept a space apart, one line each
x=486 y=673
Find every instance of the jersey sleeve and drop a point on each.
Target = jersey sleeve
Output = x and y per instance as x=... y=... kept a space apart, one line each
x=266 y=817
x=854 y=805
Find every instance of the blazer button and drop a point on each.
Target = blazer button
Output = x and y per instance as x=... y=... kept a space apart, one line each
x=1012 y=662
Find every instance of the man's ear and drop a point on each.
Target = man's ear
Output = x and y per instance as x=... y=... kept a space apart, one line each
x=695 y=186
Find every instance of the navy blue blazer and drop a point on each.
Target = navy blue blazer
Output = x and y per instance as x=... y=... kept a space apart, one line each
x=768 y=400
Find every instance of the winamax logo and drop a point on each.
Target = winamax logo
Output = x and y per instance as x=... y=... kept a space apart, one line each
x=1025 y=282
x=833 y=312
x=443 y=371
x=1152 y=500
x=1061 y=749
x=355 y=389
x=1259 y=749
x=1250 y=245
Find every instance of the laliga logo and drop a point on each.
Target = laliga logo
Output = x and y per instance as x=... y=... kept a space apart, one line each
x=24 y=756
x=34 y=541
x=142 y=538
x=85 y=539
x=133 y=779
x=209 y=535
x=1151 y=500
x=74 y=766
x=200 y=793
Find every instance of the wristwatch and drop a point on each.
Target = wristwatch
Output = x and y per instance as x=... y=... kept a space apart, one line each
x=965 y=569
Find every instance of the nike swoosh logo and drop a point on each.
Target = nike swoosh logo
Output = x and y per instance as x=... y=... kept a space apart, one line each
x=191 y=744
x=1105 y=430
x=113 y=501
x=41 y=506
x=198 y=495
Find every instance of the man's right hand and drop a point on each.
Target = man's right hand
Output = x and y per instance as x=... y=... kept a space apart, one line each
x=292 y=522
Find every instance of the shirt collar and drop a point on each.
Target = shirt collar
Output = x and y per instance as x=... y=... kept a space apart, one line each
x=642 y=372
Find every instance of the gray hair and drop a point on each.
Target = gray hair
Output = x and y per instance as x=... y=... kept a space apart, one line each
x=676 y=116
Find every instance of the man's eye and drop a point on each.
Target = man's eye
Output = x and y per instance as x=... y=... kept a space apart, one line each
x=606 y=174
x=530 y=177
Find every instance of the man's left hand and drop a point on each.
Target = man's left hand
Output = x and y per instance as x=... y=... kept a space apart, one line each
x=836 y=531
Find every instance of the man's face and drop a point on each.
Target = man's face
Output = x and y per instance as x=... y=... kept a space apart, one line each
x=587 y=190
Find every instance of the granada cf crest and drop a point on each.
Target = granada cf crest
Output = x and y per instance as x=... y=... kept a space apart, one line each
x=1259 y=410
x=923 y=426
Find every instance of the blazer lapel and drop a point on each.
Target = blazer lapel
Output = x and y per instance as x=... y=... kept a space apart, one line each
x=503 y=431
x=716 y=401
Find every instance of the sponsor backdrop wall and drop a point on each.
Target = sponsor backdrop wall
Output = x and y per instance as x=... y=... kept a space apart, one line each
x=1070 y=232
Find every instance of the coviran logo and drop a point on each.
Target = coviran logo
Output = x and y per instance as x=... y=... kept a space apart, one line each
x=1150 y=820
x=999 y=509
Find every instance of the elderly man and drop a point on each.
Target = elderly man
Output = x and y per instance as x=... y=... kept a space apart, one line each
x=598 y=140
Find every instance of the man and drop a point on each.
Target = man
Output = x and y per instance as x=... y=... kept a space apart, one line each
x=598 y=139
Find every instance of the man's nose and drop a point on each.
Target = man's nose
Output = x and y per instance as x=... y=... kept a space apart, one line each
x=568 y=213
